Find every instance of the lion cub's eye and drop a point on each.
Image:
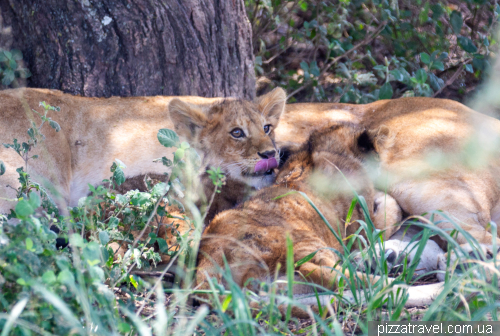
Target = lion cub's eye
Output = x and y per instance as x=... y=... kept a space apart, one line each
x=238 y=133
x=267 y=128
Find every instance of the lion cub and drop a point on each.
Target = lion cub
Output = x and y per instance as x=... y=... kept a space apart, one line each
x=252 y=236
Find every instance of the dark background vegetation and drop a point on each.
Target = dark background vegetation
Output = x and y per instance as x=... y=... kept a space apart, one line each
x=353 y=51
x=344 y=51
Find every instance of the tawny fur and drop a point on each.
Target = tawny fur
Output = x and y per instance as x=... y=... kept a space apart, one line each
x=435 y=154
x=96 y=131
x=252 y=237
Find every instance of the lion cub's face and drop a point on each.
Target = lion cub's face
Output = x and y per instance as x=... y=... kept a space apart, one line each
x=236 y=135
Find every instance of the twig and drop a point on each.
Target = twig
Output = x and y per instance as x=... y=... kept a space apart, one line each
x=257 y=3
x=152 y=274
x=348 y=52
x=153 y=214
x=452 y=78
x=159 y=281
x=209 y=205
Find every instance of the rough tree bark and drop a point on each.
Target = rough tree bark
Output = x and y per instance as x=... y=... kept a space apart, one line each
x=133 y=47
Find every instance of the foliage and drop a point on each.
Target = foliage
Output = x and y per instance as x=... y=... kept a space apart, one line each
x=11 y=69
x=358 y=51
x=348 y=51
x=70 y=290
x=46 y=290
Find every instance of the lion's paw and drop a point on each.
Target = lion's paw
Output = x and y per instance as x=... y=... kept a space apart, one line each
x=396 y=251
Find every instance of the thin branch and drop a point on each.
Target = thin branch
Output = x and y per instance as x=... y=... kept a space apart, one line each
x=336 y=59
x=453 y=78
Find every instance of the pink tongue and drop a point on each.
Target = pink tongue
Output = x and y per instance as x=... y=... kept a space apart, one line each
x=265 y=165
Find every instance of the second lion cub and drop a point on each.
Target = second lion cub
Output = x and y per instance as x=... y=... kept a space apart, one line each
x=252 y=237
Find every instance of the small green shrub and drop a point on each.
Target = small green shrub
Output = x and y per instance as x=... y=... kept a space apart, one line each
x=11 y=69
x=358 y=51
x=71 y=291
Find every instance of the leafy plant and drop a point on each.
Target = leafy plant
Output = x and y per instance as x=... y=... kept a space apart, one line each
x=364 y=50
x=11 y=67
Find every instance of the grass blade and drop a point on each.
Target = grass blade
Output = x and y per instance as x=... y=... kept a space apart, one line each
x=16 y=311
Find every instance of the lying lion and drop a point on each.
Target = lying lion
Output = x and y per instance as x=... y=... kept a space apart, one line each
x=252 y=237
x=435 y=154
x=233 y=134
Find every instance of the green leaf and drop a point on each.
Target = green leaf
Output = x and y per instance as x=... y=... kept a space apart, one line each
x=184 y=145
x=437 y=11
x=304 y=66
x=12 y=64
x=160 y=189
x=226 y=302
x=29 y=244
x=120 y=164
x=178 y=155
x=54 y=125
x=479 y=63
x=456 y=22
x=140 y=198
x=397 y=75
x=8 y=77
x=2 y=168
x=93 y=262
x=118 y=176
x=22 y=282
x=49 y=107
x=166 y=162
x=24 y=209
x=103 y=237
x=124 y=328
x=466 y=44
x=133 y=281
x=258 y=60
x=66 y=277
x=469 y=68
x=385 y=91
x=113 y=222
x=121 y=199
x=351 y=210
x=162 y=244
x=421 y=76
x=168 y=138
x=425 y=58
x=423 y=16
x=35 y=200
x=438 y=65
x=313 y=68
x=486 y=42
x=49 y=277
x=435 y=82
x=76 y=240
x=303 y=5
x=305 y=259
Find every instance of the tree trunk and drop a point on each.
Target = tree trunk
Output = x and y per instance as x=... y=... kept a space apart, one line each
x=133 y=47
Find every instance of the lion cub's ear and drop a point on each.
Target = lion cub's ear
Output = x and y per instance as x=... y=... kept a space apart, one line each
x=380 y=137
x=188 y=119
x=272 y=104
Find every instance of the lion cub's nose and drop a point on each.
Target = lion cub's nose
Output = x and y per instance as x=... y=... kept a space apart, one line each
x=267 y=154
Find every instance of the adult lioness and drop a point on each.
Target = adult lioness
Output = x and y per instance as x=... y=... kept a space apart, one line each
x=253 y=235
x=232 y=133
x=425 y=148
